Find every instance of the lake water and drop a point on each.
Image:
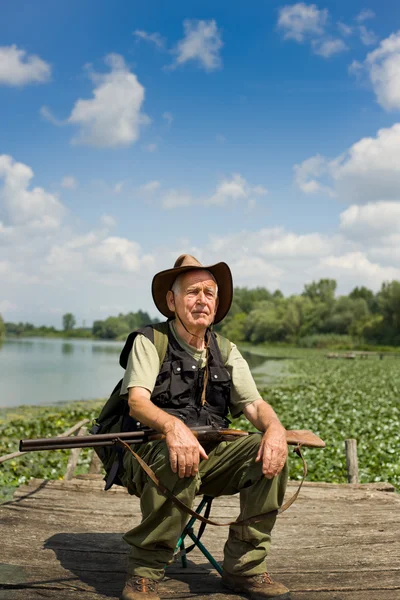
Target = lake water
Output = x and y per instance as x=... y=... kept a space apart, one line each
x=46 y=371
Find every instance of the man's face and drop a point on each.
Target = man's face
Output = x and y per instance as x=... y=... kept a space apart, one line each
x=196 y=300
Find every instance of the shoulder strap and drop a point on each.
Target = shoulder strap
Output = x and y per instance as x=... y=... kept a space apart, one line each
x=157 y=334
x=160 y=332
x=224 y=346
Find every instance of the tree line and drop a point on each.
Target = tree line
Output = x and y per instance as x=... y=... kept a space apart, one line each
x=112 y=328
x=316 y=317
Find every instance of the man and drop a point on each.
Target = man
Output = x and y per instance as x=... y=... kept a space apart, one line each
x=194 y=386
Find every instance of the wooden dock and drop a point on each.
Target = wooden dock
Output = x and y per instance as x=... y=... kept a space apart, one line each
x=62 y=539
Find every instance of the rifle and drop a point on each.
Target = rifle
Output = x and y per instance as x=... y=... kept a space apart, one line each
x=124 y=439
x=295 y=437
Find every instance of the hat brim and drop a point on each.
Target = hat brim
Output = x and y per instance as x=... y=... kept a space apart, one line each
x=163 y=281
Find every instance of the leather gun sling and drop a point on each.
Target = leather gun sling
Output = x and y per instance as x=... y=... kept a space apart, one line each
x=249 y=521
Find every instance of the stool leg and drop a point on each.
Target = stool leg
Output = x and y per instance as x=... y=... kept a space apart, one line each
x=183 y=555
x=204 y=550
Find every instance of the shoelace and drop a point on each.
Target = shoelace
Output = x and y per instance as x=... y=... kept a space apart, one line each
x=142 y=584
x=265 y=578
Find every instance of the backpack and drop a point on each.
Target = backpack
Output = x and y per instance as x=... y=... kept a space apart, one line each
x=114 y=416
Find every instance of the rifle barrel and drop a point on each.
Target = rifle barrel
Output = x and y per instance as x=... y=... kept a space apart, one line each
x=206 y=433
x=107 y=439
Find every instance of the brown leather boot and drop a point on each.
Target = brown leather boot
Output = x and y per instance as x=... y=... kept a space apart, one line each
x=257 y=587
x=140 y=588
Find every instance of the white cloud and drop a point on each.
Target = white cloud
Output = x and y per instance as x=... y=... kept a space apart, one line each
x=281 y=244
x=308 y=173
x=299 y=21
x=7 y=306
x=221 y=139
x=355 y=268
x=365 y=14
x=344 y=29
x=176 y=199
x=92 y=255
x=327 y=47
x=368 y=171
x=234 y=189
x=151 y=147
x=383 y=68
x=109 y=221
x=150 y=187
x=113 y=117
x=260 y=190
x=69 y=182
x=46 y=113
x=6 y=234
x=35 y=208
x=116 y=253
x=228 y=191
x=72 y=271
x=168 y=117
x=277 y=258
x=367 y=36
x=306 y=22
x=372 y=221
x=202 y=43
x=118 y=187
x=154 y=38
x=17 y=68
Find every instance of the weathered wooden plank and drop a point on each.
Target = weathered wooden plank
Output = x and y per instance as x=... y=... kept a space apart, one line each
x=335 y=543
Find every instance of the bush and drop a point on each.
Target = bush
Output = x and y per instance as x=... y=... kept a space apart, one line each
x=327 y=340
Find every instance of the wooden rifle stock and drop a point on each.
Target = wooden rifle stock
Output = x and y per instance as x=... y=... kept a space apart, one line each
x=300 y=437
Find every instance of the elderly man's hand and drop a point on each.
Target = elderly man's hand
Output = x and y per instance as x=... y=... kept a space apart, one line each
x=273 y=450
x=184 y=449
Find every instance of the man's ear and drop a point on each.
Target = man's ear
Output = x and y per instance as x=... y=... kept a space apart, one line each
x=171 y=300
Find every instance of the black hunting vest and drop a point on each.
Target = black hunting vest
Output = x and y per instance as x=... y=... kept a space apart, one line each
x=178 y=390
x=179 y=383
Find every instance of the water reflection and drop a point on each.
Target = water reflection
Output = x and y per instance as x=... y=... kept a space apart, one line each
x=111 y=349
x=67 y=348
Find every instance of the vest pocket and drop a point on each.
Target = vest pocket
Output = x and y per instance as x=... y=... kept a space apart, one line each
x=219 y=375
x=161 y=392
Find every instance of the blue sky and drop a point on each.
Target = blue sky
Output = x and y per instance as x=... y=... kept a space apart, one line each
x=265 y=134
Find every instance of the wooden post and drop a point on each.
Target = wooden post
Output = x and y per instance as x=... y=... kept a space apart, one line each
x=351 y=460
x=95 y=464
x=73 y=459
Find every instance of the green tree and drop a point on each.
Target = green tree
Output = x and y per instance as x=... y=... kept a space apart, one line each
x=389 y=305
x=68 y=321
x=2 y=328
x=367 y=295
x=265 y=323
x=346 y=313
x=234 y=327
x=322 y=291
x=246 y=299
x=111 y=328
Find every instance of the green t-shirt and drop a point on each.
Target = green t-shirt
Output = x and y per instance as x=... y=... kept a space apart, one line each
x=144 y=365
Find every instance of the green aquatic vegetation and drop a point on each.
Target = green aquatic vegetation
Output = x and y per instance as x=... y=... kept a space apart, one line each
x=337 y=399
x=341 y=399
x=38 y=422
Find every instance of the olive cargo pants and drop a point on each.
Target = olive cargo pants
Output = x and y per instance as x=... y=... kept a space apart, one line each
x=230 y=468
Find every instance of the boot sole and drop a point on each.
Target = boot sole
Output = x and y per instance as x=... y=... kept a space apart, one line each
x=254 y=595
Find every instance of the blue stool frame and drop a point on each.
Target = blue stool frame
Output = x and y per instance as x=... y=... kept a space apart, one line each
x=188 y=531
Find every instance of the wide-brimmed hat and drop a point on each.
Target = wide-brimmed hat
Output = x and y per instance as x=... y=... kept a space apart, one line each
x=163 y=281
